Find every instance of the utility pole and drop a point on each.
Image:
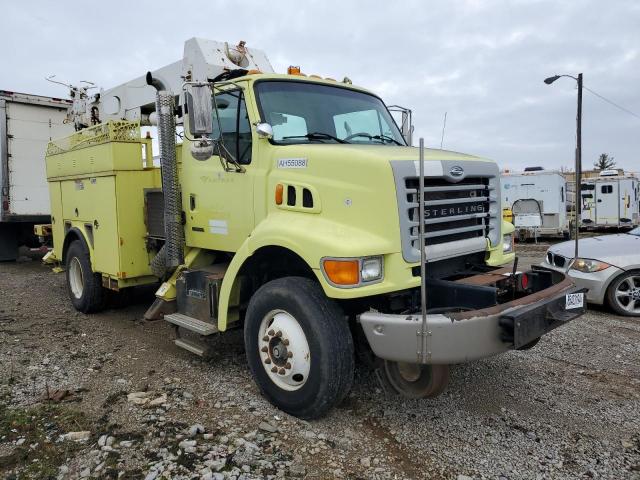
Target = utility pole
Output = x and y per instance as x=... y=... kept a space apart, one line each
x=578 y=195
x=578 y=159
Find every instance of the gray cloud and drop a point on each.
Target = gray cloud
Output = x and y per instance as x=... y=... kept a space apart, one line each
x=481 y=61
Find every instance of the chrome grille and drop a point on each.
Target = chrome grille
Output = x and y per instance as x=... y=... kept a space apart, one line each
x=452 y=211
x=460 y=213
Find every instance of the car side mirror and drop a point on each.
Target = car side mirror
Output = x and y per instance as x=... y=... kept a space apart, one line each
x=200 y=107
x=264 y=130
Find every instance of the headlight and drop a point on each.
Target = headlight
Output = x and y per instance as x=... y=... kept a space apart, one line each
x=371 y=269
x=588 y=265
x=507 y=243
x=352 y=272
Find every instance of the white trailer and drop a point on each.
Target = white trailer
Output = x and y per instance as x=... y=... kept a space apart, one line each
x=611 y=200
x=538 y=200
x=27 y=124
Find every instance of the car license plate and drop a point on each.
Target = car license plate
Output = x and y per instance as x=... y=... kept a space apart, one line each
x=574 y=300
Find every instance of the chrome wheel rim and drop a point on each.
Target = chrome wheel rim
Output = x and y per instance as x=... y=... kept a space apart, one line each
x=284 y=350
x=628 y=294
x=75 y=277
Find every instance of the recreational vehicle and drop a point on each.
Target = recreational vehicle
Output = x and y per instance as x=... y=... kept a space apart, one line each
x=538 y=200
x=610 y=200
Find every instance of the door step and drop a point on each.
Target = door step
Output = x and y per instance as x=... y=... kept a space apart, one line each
x=192 y=324
x=193 y=347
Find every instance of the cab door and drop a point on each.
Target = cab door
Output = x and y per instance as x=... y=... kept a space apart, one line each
x=217 y=198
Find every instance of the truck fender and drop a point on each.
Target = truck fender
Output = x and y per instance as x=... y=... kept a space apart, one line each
x=74 y=233
x=243 y=254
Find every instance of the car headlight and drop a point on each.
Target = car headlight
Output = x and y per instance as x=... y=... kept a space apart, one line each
x=352 y=272
x=507 y=243
x=587 y=265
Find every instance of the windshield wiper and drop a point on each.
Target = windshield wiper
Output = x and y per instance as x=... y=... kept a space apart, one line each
x=317 y=136
x=381 y=137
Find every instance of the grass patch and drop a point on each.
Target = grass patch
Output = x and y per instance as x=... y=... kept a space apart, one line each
x=39 y=456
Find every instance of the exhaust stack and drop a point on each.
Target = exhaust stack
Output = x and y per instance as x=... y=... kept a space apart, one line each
x=174 y=234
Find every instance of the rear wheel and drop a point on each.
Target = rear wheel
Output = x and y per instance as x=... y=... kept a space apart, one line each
x=624 y=294
x=299 y=347
x=83 y=285
x=413 y=380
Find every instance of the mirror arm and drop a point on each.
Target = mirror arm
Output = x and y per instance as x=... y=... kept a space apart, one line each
x=226 y=158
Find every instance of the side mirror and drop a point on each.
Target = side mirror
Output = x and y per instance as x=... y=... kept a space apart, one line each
x=264 y=130
x=200 y=107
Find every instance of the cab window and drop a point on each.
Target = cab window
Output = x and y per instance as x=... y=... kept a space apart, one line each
x=287 y=125
x=232 y=124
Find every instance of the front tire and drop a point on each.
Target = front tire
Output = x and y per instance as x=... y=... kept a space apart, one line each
x=623 y=294
x=83 y=285
x=299 y=347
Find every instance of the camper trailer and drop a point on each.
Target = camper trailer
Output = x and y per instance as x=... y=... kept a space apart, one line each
x=538 y=200
x=610 y=201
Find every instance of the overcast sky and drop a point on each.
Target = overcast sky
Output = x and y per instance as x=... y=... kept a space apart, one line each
x=481 y=61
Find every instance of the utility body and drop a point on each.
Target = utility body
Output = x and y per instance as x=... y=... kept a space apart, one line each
x=27 y=124
x=291 y=208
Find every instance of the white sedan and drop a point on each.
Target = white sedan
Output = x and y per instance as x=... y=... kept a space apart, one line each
x=608 y=265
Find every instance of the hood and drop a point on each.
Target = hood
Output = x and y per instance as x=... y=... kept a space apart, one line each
x=382 y=153
x=619 y=249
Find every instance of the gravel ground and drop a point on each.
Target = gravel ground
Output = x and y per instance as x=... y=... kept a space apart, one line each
x=110 y=396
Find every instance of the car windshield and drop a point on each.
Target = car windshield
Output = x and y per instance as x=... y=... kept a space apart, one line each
x=305 y=112
x=635 y=231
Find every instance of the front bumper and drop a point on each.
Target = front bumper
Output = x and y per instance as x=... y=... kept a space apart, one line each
x=473 y=335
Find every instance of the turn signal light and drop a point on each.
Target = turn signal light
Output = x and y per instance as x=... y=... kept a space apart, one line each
x=343 y=272
x=279 y=192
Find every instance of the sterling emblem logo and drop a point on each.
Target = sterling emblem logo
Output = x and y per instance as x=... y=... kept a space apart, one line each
x=456 y=171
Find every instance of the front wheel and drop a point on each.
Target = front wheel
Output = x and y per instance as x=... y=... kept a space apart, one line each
x=299 y=347
x=624 y=294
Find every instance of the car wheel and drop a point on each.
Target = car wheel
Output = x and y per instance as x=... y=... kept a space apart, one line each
x=83 y=285
x=299 y=347
x=624 y=294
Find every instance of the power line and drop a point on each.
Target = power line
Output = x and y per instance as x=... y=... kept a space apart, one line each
x=612 y=102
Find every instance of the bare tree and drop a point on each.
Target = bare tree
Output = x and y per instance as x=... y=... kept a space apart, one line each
x=605 y=162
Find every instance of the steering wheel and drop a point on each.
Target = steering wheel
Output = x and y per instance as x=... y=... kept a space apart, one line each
x=354 y=135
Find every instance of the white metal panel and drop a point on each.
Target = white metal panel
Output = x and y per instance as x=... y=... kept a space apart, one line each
x=29 y=128
x=548 y=188
x=607 y=204
x=628 y=196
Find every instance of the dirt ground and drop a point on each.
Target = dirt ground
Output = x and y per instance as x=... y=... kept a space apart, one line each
x=110 y=396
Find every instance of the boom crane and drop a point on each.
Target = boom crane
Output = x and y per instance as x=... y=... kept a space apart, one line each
x=203 y=61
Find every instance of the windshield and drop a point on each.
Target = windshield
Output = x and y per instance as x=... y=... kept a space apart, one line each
x=304 y=112
x=635 y=231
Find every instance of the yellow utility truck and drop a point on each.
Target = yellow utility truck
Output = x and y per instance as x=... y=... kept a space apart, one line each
x=294 y=207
